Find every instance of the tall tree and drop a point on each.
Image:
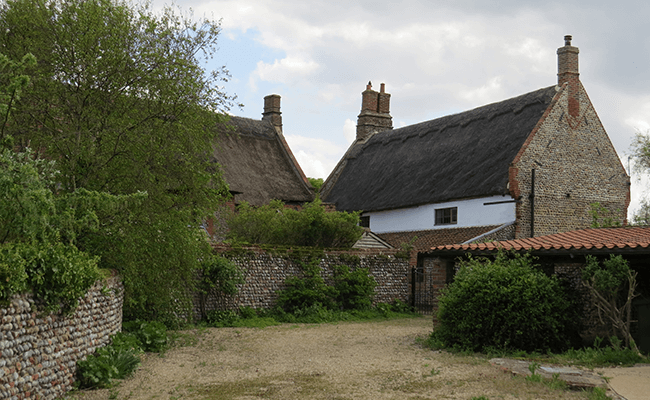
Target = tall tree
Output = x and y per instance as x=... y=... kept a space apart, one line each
x=640 y=151
x=122 y=102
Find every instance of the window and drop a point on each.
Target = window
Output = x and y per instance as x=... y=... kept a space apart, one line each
x=364 y=222
x=447 y=216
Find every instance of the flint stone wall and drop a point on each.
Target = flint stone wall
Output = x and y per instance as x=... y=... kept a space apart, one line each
x=265 y=274
x=39 y=353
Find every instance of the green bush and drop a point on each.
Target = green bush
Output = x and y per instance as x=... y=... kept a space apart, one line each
x=151 y=335
x=13 y=278
x=117 y=360
x=505 y=304
x=305 y=292
x=354 y=290
x=312 y=226
x=60 y=275
x=350 y=290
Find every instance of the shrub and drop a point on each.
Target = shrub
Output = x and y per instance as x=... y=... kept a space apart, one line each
x=504 y=304
x=355 y=290
x=117 y=360
x=308 y=291
x=350 y=290
x=275 y=224
x=151 y=335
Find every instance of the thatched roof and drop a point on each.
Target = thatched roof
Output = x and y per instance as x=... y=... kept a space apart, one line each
x=458 y=156
x=258 y=165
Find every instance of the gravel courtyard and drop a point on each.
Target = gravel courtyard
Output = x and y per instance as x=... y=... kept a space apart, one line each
x=369 y=360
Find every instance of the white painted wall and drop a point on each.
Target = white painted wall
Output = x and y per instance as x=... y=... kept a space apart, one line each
x=471 y=212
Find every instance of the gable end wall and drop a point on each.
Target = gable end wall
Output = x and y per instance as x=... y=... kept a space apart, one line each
x=575 y=165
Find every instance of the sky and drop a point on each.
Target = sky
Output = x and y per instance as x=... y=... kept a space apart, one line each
x=435 y=57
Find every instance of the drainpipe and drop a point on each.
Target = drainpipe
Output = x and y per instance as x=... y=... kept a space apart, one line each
x=532 y=203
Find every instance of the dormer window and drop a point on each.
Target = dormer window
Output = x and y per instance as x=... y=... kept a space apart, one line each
x=447 y=216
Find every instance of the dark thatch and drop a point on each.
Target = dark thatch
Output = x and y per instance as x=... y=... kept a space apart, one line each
x=258 y=165
x=454 y=157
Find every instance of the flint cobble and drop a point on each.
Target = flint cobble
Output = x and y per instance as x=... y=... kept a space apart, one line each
x=40 y=352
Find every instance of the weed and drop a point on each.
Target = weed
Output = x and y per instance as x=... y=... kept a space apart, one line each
x=598 y=394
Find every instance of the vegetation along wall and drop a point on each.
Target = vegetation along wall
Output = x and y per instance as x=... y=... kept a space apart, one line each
x=265 y=272
x=40 y=352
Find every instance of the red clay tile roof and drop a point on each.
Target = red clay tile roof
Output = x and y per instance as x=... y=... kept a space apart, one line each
x=583 y=239
x=435 y=237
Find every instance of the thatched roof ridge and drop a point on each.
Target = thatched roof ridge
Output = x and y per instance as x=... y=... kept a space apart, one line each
x=458 y=156
x=257 y=166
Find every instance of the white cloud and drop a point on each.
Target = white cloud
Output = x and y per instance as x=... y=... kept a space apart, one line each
x=350 y=130
x=491 y=91
x=287 y=71
x=317 y=157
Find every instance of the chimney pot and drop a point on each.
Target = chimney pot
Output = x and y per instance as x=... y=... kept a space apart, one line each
x=375 y=112
x=272 y=110
x=568 y=73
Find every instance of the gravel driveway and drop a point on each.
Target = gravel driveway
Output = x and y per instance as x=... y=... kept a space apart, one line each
x=369 y=360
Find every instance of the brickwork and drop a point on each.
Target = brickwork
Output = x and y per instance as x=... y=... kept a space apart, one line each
x=375 y=112
x=592 y=327
x=272 y=110
x=575 y=165
x=39 y=353
x=436 y=268
x=265 y=274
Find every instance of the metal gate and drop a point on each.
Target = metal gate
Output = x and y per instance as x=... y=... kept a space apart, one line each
x=422 y=290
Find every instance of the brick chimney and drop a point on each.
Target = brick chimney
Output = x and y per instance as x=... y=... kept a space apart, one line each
x=375 y=112
x=567 y=72
x=272 y=110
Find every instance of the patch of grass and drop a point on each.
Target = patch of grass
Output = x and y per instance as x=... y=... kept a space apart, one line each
x=599 y=356
x=275 y=387
x=314 y=314
x=613 y=355
x=187 y=338
x=598 y=394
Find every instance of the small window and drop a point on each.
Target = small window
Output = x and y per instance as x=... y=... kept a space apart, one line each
x=447 y=216
x=364 y=221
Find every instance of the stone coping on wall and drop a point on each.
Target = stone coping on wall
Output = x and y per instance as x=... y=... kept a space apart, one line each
x=225 y=248
x=40 y=352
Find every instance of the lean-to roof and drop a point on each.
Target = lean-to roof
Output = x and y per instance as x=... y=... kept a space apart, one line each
x=459 y=156
x=590 y=241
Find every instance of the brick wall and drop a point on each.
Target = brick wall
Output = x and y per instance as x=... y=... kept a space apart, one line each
x=592 y=326
x=437 y=269
x=265 y=273
x=39 y=353
x=575 y=165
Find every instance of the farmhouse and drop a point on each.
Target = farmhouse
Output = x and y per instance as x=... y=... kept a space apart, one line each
x=527 y=166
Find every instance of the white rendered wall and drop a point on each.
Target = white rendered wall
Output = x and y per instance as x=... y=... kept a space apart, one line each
x=471 y=212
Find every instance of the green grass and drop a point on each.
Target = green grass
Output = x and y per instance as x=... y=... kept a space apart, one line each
x=316 y=314
x=595 y=356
